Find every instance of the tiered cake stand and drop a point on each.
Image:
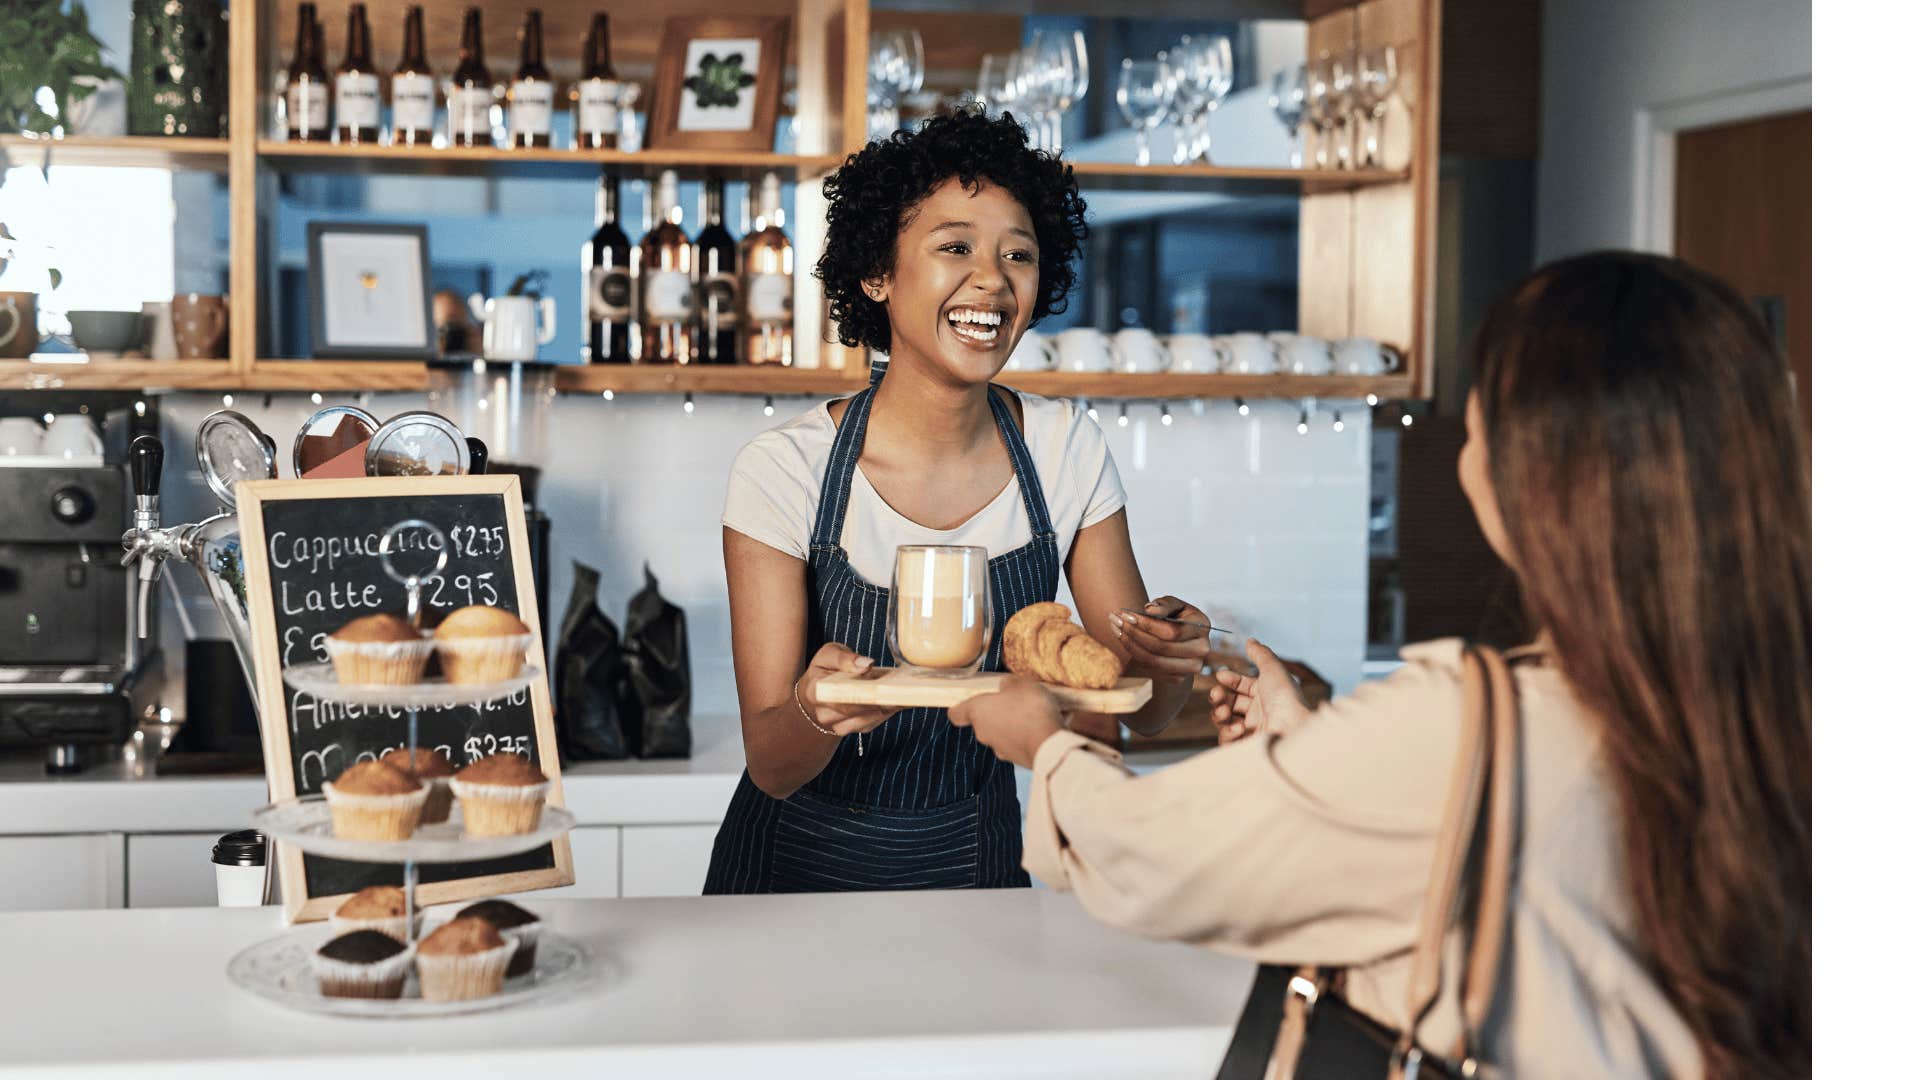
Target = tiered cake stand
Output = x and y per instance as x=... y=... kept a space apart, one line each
x=278 y=970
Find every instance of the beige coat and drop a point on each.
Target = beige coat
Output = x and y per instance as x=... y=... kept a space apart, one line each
x=1313 y=846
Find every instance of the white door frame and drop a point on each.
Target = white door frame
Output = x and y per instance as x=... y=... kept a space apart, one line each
x=1654 y=131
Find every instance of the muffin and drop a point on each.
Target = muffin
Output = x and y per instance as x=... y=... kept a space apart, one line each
x=480 y=644
x=431 y=768
x=381 y=650
x=500 y=795
x=382 y=908
x=361 y=964
x=516 y=924
x=466 y=958
x=375 y=801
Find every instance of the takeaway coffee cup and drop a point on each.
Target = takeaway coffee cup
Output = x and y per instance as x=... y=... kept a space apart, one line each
x=240 y=868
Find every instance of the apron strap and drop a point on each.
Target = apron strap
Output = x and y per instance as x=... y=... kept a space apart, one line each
x=837 y=486
x=1024 y=473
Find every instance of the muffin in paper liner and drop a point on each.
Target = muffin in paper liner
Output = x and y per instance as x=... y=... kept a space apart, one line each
x=439 y=800
x=463 y=976
x=395 y=927
x=347 y=979
x=500 y=809
x=374 y=817
x=526 y=942
x=473 y=660
x=380 y=663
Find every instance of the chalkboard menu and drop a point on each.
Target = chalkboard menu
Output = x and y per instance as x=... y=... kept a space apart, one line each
x=313 y=564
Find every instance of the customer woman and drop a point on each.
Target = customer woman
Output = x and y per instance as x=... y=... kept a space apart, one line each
x=1633 y=454
x=944 y=244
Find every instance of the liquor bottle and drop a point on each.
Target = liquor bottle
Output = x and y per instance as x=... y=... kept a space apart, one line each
x=606 y=269
x=596 y=97
x=530 y=95
x=766 y=270
x=716 y=281
x=470 y=97
x=356 y=86
x=307 y=84
x=666 y=258
x=413 y=93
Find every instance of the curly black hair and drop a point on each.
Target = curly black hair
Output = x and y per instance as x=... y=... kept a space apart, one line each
x=872 y=196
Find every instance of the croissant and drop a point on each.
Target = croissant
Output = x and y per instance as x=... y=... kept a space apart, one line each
x=1043 y=642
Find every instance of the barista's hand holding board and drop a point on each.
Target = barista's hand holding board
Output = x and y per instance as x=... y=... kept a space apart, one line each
x=943 y=274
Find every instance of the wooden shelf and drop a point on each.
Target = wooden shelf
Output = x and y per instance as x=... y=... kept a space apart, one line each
x=1173 y=387
x=117 y=375
x=139 y=151
x=368 y=375
x=708 y=379
x=487 y=160
x=1119 y=176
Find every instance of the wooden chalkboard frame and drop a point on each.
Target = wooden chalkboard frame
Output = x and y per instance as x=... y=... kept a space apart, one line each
x=275 y=734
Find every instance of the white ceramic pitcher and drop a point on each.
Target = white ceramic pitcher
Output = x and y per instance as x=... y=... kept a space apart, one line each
x=508 y=325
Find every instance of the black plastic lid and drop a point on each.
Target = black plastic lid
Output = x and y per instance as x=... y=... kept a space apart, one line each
x=246 y=847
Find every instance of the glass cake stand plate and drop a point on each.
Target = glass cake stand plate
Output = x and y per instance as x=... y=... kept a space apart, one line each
x=308 y=825
x=319 y=680
x=276 y=969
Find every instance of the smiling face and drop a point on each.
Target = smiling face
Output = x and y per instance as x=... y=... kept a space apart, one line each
x=966 y=276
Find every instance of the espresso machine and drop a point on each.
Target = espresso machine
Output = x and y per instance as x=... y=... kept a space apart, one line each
x=75 y=674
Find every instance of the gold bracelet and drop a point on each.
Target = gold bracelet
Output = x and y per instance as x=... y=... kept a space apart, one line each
x=803 y=713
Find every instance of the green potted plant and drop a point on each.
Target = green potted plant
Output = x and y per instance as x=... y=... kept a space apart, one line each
x=49 y=61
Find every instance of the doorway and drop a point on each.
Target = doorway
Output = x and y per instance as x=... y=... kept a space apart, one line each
x=1743 y=210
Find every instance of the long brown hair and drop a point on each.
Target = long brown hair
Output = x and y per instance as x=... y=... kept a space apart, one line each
x=1653 y=480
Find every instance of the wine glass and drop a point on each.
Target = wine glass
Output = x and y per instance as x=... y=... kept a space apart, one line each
x=1066 y=63
x=1379 y=72
x=1217 y=56
x=995 y=86
x=1288 y=100
x=896 y=67
x=1189 y=97
x=1342 y=74
x=1033 y=79
x=1144 y=94
x=1322 y=107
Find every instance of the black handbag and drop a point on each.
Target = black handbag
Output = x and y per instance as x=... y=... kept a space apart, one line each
x=1296 y=1024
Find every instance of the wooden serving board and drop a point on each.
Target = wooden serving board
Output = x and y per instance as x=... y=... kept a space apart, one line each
x=907 y=690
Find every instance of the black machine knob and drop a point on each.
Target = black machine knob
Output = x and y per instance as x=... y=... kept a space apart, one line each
x=144 y=454
x=476 y=456
x=72 y=506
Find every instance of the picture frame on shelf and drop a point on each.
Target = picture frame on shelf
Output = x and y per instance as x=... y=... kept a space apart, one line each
x=369 y=295
x=717 y=83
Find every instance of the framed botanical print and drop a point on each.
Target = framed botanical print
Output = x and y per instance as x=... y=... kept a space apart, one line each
x=717 y=83
x=368 y=296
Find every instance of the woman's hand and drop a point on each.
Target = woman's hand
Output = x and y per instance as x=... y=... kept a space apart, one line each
x=1272 y=701
x=1162 y=650
x=1013 y=721
x=842 y=720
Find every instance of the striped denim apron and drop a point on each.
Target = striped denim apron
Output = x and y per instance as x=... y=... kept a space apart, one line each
x=922 y=805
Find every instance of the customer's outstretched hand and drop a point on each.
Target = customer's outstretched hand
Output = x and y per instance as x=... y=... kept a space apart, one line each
x=1245 y=704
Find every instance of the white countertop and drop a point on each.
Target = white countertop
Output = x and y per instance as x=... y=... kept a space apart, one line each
x=1004 y=983
x=105 y=799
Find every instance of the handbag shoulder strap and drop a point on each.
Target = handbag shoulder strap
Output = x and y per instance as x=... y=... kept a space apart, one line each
x=1460 y=814
x=1482 y=975
x=1489 y=750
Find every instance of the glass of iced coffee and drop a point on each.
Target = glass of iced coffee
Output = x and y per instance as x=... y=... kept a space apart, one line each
x=940 y=617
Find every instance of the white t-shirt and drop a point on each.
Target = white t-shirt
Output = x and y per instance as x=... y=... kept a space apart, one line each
x=773 y=493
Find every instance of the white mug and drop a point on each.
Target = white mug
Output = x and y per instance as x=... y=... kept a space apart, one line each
x=1304 y=355
x=20 y=436
x=157 y=332
x=1139 y=351
x=1364 y=356
x=1083 y=350
x=1195 y=354
x=1250 y=354
x=71 y=436
x=508 y=325
x=1035 y=352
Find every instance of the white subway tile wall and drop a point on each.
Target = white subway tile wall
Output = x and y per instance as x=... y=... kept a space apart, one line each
x=1261 y=526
